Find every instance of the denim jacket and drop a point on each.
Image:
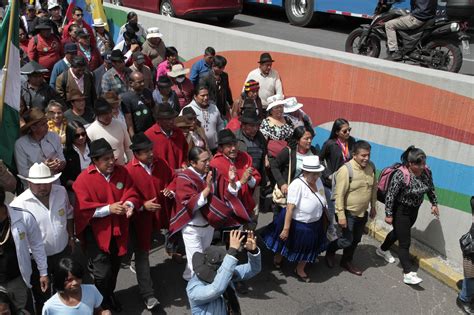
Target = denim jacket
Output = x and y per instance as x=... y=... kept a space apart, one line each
x=206 y=298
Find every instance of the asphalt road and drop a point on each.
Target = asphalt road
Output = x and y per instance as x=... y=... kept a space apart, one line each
x=260 y=20
x=380 y=290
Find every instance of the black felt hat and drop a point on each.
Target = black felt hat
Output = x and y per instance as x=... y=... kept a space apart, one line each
x=140 y=142
x=249 y=116
x=99 y=147
x=102 y=107
x=205 y=264
x=117 y=55
x=165 y=111
x=265 y=57
x=164 y=82
x=226 y=136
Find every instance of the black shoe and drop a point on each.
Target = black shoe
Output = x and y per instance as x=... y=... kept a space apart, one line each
x=464 y=306
x=115 y=304
x=241 y=287
x=330 y=259
x=395 y=56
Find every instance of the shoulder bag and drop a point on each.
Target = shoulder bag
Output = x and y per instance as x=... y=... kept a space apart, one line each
x=277 y=196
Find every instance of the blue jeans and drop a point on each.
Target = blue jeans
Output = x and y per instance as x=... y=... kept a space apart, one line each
x=467 y=290
x=351 y=236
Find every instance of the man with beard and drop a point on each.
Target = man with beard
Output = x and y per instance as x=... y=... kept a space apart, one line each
x=151 y=175
x=105 y=201
x=208 y=115
x=50 y=206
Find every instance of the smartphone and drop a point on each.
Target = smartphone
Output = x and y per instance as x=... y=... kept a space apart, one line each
x=226 y=236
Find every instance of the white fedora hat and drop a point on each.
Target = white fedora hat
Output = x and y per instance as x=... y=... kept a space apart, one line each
x=99 y=23
x=311 y=164
x=39 y=173
x=153 y=32
x=177 y=70
x=275 y=100
x=291 y=105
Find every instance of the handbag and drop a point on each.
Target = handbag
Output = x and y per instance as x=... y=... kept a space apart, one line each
x=465 y=242
x=277 y=196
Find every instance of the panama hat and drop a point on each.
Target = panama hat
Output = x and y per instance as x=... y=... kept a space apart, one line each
x=275 y=100
x=291 y=105
x=39 y=173
x=99 y=23
x=177 y=70
x=312 y=164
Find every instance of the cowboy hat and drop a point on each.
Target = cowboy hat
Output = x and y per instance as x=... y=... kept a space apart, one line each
x=99 y=23
x=312 y=164
x=291 y=105
x=31 y=117
x=153 y=32
x=39 y=173
x=177 y=70
x=76 y=97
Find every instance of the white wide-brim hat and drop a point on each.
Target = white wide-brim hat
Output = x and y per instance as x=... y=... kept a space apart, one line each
x=153 y=32
x=99 y=23
x=275 y=100
x=312 y=164
x=39 y=173
x=291 y=105
x=177 y=70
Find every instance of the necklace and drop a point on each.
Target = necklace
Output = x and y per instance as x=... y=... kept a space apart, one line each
x=6 y=236
x=206 y=118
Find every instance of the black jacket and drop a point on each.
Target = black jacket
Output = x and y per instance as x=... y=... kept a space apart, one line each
x=223 y=98
x=72 y=169
x=424 y=10
x=331 y=155
x=263 y=144
x=279 y=165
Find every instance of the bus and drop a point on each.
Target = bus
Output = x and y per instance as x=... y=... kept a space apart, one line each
x=317 y=12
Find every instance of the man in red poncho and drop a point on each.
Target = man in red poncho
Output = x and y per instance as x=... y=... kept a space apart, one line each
x=229 y=157
x=105 y=199
x=170 y=142
x=200 y=207
x=150 y=175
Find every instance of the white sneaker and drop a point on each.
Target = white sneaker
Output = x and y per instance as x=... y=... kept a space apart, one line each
x=411 y=278
x=385 y=255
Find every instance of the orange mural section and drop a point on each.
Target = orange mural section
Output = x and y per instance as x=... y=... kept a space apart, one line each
x=316 y=78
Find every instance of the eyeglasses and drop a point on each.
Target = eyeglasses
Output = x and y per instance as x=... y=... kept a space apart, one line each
x=78 y=135
x=80 y=14
x=346 y=130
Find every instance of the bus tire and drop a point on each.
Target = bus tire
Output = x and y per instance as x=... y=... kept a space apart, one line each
x=304 y=15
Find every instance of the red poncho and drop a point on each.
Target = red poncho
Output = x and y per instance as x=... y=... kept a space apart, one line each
x=172 y=149
x=148 y=187
x=241 y=163
x=221 y=209
x=93 y=191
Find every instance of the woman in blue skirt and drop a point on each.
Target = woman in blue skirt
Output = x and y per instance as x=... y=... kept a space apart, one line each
x=298 y=232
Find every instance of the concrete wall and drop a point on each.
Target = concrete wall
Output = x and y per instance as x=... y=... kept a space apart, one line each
x=392 y=105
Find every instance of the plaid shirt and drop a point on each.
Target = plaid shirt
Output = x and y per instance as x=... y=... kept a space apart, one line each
x=111 y=81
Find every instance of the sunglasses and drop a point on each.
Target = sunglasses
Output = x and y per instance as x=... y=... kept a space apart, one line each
x=78 y=135
x=346 y=130
x=79 y=14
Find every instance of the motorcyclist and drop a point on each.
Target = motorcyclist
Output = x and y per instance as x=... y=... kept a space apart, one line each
x=421 y=12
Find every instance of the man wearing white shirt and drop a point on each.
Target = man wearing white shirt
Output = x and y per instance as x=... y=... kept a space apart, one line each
x=24 y=237
x=267 y=77
x=50 y=206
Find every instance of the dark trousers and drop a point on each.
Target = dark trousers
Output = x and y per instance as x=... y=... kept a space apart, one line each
x=351 y=236
x=104 y=267
x=40 y=296
x=403 y=220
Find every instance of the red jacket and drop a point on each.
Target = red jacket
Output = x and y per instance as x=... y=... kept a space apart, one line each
x=241 y=163
x=45 y=51
x=148 y=187
x=66 y=35
x=234 y=124
x=93 y=191
x=173 y=150
x=96 y=59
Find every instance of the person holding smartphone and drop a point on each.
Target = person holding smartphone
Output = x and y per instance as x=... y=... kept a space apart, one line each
x=211 y=290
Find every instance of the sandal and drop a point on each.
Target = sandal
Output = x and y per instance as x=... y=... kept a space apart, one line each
x=305 y=279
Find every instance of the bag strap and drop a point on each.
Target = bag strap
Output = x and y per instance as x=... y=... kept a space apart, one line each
x=322 y=204
x=289 y=167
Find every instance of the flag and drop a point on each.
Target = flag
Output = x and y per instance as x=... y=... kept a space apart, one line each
x=98 y=11
x=70 y=7
x=10 y=87
x=84 y=5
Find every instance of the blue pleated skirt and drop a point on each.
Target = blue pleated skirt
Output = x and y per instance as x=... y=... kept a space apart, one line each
x=304 y=243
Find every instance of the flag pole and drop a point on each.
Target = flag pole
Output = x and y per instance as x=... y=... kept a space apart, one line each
x=7 y=56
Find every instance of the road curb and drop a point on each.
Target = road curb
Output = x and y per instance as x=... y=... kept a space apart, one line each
x=433 y=265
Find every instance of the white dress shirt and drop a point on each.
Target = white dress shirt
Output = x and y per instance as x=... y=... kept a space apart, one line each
x=53 y=221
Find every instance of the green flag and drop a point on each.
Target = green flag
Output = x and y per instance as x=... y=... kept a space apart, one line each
x=10 y=86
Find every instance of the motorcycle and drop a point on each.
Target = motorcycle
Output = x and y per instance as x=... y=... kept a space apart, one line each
x=433 y=45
